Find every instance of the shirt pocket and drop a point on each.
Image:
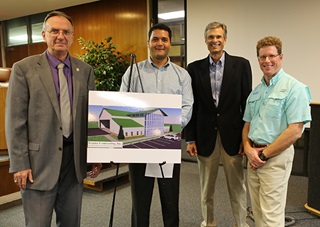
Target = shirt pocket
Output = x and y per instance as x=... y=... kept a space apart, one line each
x=253 y=104
x=275 y=105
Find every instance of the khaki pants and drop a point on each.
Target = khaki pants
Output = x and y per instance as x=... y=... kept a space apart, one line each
x=268 y=189
x=235 y=177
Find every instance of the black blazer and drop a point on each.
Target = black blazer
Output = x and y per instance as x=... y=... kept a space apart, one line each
x=207 y=119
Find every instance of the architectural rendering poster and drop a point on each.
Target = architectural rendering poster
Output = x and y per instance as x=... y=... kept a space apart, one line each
x=134 y=127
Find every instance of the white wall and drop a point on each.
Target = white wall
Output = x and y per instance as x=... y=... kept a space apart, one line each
x=295 y=22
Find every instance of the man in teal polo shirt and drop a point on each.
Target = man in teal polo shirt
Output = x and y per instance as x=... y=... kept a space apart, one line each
x=276 y=112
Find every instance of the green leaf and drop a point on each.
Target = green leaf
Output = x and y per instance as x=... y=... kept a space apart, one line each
x=108 y=63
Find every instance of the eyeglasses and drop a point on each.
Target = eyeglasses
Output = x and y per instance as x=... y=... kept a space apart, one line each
x=271 y=57
x=56 y=32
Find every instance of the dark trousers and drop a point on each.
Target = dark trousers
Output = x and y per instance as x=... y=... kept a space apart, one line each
x=141 y=191
x=65 y=198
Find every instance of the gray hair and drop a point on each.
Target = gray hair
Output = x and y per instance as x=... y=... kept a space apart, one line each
x=214 y=25
x=56 y=14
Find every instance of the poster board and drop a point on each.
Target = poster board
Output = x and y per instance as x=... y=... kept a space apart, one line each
x=134 y=127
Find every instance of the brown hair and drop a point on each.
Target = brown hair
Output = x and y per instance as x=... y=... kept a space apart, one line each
x=269 y=41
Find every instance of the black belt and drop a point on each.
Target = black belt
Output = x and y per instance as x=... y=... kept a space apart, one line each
x=258 y=145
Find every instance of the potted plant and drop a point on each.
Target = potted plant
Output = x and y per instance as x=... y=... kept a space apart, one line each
x=108 y=64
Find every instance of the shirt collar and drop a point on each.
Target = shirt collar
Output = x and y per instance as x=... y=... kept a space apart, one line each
x=220 y=62
x=274 y=79
x=154 y=65
x=54 y=62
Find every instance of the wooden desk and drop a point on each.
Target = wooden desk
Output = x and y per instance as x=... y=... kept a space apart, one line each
x=3 y=145
x=7 y=186
x=105 y=175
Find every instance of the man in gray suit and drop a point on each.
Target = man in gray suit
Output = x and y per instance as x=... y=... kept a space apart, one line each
x=49 y=167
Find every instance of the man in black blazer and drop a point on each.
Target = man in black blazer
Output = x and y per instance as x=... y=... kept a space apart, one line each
x=221 y=84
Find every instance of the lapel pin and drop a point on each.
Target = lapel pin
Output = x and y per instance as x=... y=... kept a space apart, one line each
x=77 y=69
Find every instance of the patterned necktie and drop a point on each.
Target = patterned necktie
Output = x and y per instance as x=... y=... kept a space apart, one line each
x=65 y=111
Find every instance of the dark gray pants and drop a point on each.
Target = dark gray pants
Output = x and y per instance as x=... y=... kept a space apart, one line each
x=65 y=198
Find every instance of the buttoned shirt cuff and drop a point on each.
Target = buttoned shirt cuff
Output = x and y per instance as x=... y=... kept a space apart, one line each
x=188 y=142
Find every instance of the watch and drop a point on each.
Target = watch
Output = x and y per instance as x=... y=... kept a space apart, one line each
x=263 y=157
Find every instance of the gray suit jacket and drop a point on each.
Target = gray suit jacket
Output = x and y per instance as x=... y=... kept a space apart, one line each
x=33 y=126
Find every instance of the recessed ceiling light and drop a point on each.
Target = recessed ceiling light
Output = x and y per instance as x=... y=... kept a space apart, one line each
x=171 y=15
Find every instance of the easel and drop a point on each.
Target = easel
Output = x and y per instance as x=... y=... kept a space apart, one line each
x=115 y=188
x=133 y=60
x=114 y=194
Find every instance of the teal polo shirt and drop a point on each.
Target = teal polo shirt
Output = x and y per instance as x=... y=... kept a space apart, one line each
x=270 y=109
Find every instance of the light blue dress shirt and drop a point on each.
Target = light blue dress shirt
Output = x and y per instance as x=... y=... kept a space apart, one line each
x=169 y=79
x=216 y=75
x=270 y=109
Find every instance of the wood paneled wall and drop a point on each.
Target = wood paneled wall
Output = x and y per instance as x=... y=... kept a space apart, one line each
x=3 y=95
x=125 y=20
x=15 y=53
x=0 y=55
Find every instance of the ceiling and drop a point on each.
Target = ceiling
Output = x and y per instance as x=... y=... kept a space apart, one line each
x=170 y=5
x=10 y=9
